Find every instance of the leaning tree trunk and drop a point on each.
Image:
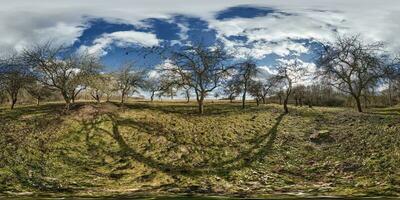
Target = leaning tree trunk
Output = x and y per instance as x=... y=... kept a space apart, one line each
x=285 y=107
x=152 y=96
x=358 y=102
x=98 y=99
x=13 y=102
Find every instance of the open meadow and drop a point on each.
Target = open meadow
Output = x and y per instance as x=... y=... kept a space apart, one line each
x=167 y=147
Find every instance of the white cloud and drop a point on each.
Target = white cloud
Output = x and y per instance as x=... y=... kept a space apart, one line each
x=23 y=21
x=121 y=39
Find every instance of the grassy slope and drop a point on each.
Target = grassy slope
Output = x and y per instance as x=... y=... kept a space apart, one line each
x=167 y=147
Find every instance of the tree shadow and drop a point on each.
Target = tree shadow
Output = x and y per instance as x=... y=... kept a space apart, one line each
x=211 y=109
x=261 y=146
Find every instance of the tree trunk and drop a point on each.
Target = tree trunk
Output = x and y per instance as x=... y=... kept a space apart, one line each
x=38 y=101
x=67 y=105
x=122 y=99
x=201 y=106
x=13 y=102
x=187 y=97
x=285 y=107
x=67 y=100
x=200 y=101
x=358 y=102
x=297 y=103
x=258 y=101
x=280 y=100
x=390 y=94
x=286 y=100
x=301 y=102
x=263 y=100
x=152 y=96
x=98 y=98
x=244 y=99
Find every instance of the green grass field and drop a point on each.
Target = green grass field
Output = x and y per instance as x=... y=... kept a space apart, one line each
x=166 y=147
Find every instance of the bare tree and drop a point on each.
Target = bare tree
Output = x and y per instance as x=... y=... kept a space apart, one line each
x=60 y=69
x=289 y=73
x=351 y=65
x=153 y=85
x=391 y=73
x=98 y=84
x=128 y=80
x=232 y=89
x=255 y=89
x=39 y=91
x=14 y=75
x=299 y=93
x=246 y=72
x=267 y=87
x=201 y=68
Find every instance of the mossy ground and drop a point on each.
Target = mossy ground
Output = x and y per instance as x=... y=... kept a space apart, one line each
x=166 y=147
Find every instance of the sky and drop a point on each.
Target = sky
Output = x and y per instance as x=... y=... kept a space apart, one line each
x=268 y=30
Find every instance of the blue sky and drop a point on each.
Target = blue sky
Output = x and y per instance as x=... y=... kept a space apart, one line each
x=268 y=30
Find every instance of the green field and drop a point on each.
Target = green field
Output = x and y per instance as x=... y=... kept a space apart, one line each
x=167 y=148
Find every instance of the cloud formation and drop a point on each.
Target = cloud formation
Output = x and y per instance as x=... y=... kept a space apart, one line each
x=266 y=27
x=120 y=39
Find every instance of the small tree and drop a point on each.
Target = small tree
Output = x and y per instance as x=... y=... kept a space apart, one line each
x=38 y=91
x=153 y=85
x=232 y=89
x=246 y=72
x=256 y=90
x=216 y=95
x=391 y=74
x=350 y=65
x=98 y=84
x=14 y=75
x=128 y=80
x=111 y=86
x=201 y=68
x=299 y=93
x=289 y=73
x=267 y=88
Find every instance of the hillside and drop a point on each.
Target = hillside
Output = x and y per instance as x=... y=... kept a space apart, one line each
x=167 y=148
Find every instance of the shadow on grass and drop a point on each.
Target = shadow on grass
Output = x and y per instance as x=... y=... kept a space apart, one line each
x=261 y=146
x=210 y=109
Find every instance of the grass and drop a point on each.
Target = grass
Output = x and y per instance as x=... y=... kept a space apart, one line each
x=168 y=148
